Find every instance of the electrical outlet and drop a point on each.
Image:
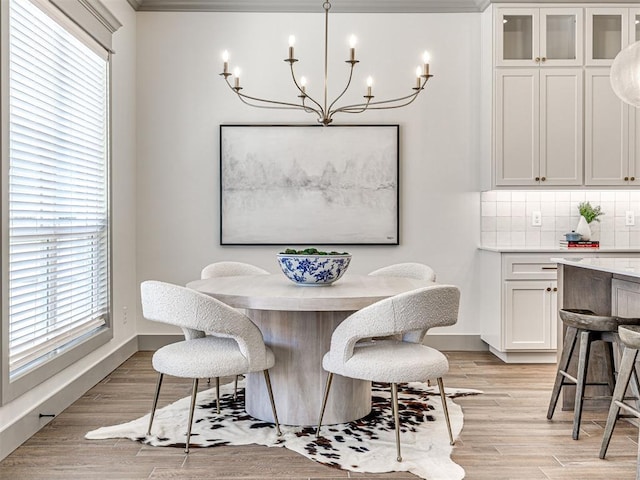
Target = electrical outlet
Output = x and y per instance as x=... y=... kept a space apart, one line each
x=125 y=315
x=629 y=218
x=536 y=219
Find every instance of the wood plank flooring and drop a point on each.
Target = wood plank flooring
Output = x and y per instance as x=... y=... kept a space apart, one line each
x=506 y=435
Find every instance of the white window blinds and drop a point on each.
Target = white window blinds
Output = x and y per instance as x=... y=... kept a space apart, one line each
x=58 y=189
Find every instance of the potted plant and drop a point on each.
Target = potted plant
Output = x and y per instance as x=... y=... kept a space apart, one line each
x=588 y=214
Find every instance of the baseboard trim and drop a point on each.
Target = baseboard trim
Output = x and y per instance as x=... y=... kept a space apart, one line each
x=526 y=357
x=456 y=342
x=26 y=426
x=472 y=343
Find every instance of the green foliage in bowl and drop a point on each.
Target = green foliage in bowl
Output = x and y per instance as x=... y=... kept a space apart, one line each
x=310 y=251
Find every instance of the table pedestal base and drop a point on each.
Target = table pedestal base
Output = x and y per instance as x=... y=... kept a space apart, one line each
x=299 y=340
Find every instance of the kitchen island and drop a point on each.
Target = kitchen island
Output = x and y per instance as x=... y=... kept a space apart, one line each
x=607 y=286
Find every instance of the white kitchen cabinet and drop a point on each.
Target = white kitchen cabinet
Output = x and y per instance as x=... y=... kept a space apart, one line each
x=607 y=32
x=530 y=311
x=528 y=37
x=609 y=133
x=519 y=301
x=538 y=126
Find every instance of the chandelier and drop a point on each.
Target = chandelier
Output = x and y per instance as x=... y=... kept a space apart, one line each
x=325 y=110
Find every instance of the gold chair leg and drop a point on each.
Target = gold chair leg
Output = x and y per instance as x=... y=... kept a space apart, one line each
x=445 y=409
x=235 y=389
x=267 y=380
x=155 y=402
x=396 y=417
x=218 y=395
x=324 y=402
x=194 y=393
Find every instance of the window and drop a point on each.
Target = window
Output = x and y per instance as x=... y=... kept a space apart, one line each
x=59 y=255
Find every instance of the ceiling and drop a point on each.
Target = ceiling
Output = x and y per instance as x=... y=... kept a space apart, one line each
x=313 y=6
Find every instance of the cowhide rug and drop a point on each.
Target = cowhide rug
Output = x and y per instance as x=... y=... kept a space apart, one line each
x=366 y=445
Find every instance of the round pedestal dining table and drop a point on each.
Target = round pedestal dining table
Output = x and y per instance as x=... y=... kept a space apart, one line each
x=296 y=323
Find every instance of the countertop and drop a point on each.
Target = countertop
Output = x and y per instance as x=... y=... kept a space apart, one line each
x=589 y=251
x=629 y=266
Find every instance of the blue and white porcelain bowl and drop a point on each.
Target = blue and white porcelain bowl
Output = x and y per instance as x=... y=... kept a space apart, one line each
x=318 y=270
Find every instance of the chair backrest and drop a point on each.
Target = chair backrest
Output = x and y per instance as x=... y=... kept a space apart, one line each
x=410 y=314
x=197 y=313
x=230 y=269
x=419 y=271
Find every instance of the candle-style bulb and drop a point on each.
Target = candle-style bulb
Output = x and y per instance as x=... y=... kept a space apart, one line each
x=425 y=58
x=418 y=78
x=225 y=64
x=369 y=84
x=352 y=51
x=292 y=42
x=236 y=74
x=303 y=82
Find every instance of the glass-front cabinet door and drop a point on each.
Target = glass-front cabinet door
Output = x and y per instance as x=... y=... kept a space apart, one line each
x=634 y=25
x=538 y=36
x=606 y=34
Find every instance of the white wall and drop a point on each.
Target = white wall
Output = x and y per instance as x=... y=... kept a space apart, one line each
x=26 y=407
x=181 y=102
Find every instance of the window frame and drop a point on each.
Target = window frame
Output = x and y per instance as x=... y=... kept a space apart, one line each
x=12 y=389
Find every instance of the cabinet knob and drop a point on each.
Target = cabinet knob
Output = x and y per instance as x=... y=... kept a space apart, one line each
x=632 y=179
x=544 y=59
x=543 y=178
x=626 y=179
x=537 y=59
x=548 y=289
x=537 y=179
x=555 y=289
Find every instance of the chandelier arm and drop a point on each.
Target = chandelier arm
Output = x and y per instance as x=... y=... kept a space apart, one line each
x=284 y=105
x=345 y=88
x=387 y=103
x=320 y=110
x=372 y=105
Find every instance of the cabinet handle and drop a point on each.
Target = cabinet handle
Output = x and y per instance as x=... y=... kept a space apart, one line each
x=548 y=289
x=543 y=179
x=626 y=179
x=537 y=179
x=549 y=268
x=537 y=59
x=555 y=289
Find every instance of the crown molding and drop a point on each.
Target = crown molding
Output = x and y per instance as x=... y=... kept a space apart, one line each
x=339 y=6
x=306 y=6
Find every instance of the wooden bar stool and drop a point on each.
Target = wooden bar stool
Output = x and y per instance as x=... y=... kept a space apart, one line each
x=588 y=328
x=630 y=338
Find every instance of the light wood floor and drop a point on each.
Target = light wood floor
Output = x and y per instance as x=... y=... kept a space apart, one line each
x=506 y=435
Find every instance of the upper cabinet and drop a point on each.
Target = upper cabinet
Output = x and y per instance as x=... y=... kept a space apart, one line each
x=555 y=118
x=607 y=33
x=528 y=37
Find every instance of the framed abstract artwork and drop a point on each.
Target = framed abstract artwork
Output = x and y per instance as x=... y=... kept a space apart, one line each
x=309 y=185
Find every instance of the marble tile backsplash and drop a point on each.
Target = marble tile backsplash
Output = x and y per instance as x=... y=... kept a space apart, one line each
x=507 y=217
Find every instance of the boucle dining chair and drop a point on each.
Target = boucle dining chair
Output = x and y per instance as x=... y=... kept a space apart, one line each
x=394 y=360
x=229 y=269
x=238 y=349
x=418 y=271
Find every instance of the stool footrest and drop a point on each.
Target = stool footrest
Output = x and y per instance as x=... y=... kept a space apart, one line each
x=628 y=408
x=566 y=375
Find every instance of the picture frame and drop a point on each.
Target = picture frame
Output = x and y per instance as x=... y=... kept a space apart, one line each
x=309 y=185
